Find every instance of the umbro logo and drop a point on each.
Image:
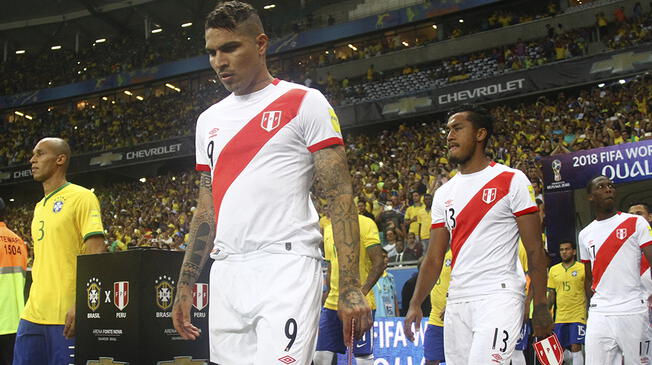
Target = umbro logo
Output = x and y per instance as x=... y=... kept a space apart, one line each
x=213 y=132
x=270 y=120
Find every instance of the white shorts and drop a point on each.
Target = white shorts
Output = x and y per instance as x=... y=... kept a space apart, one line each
x=484 y=330
x=264 y=309
x=609 y=338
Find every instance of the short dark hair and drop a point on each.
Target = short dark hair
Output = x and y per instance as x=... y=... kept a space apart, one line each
x=570 y=242
x=3 y=207
x=479 y=116
x=644 y=204
x=589 y=185
x=230 y=14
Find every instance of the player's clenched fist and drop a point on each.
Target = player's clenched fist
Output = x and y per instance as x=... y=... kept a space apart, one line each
x=181 y=314
x=355 y=314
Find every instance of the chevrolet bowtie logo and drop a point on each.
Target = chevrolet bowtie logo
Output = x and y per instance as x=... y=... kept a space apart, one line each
x=407 y=105
x=5 y=175
x=106 y=159
x=183 y=360
x=621 y=62
x=105 y=361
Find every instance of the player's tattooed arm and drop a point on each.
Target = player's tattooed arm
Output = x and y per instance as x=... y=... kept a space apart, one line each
x=202 y=234
x=333 y=181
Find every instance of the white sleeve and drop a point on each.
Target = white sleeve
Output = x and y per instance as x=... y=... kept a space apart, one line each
x=584 y=250
x=319 y=124
x=437 y=211
x=202 y=159
x=643 y=232
x=521 y=195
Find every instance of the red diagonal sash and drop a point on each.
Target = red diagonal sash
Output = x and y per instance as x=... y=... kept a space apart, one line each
x=244 y=146
x=469 y=218
x=610 y=248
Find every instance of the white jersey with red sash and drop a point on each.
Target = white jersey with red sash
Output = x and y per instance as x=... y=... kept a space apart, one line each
x=613 y=246
x=480 y=211
x=258 y=149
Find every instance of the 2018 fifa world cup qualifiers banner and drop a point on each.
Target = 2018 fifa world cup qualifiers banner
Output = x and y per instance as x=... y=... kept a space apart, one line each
x=621 y=163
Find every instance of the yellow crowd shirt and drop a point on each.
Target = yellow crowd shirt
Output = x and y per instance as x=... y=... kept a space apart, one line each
x=63 y=220
x=439 y=291
x=421 y=227
x=368 y=238
x=569 y=287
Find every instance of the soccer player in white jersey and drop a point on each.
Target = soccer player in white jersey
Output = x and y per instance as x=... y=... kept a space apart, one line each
x=257 y=151
x=643 y=209
x=482 y=211
x=610 y=248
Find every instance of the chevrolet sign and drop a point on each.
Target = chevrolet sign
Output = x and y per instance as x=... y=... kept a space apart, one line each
x=106 y=159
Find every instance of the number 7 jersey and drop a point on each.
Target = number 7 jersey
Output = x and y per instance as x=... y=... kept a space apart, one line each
x=258 y=149
x=479 y=210
x=613 y=247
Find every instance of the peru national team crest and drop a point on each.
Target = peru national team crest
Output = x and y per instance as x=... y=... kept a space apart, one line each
x=200 y=296
x=549 y=351
x=121 y=294
x=489 y=195
x=270 y=120
x=621 y=233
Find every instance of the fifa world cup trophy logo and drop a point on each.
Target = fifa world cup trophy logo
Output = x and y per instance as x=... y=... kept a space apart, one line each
x=556 y=169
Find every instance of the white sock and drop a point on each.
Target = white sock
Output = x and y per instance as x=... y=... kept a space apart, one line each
x=518 y=358
x=323 y=358
x=577 y=357
x=364 y=360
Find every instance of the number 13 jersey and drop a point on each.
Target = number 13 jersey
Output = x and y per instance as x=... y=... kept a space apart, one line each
x=258 y=148
x=479 y=210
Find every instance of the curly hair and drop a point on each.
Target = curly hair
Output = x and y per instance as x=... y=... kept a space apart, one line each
x=230 y=14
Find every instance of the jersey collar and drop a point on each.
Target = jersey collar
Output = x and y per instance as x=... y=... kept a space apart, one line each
x=54 y=192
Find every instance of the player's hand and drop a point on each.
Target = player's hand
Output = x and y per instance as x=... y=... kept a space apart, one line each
x=413 y=316
x=541 y=321
x=352 y=305
x=181 y=314
x=69 y=325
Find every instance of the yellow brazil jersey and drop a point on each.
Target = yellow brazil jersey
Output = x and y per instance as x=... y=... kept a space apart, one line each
x=62 y=222
x=421 y=227
x=569 y=287
x=440 y=290
x=368 y=238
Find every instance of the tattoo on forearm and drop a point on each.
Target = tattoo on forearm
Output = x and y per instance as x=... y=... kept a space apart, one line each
x=202 y=235
x=333 y=181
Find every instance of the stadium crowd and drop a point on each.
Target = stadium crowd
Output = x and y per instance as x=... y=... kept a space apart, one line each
x=119 y=123
x=26 y=72
x=397 y=167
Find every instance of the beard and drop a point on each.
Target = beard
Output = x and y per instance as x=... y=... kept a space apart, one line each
x=459 y=160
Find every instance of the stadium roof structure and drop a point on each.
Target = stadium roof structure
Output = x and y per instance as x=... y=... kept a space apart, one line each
x=36 y=25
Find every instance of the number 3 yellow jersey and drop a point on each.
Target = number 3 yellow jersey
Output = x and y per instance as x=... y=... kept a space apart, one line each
x=569 y=287
x=62 y=222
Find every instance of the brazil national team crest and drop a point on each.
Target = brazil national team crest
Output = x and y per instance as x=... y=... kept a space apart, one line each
x=200 y=296
x=57 y=206
x=574 y=273
x=489 y=195
x=270 y=120
x=93 y=291
x=164 y=287
x=121 y=294
x=448 y=262
x=621 y=233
